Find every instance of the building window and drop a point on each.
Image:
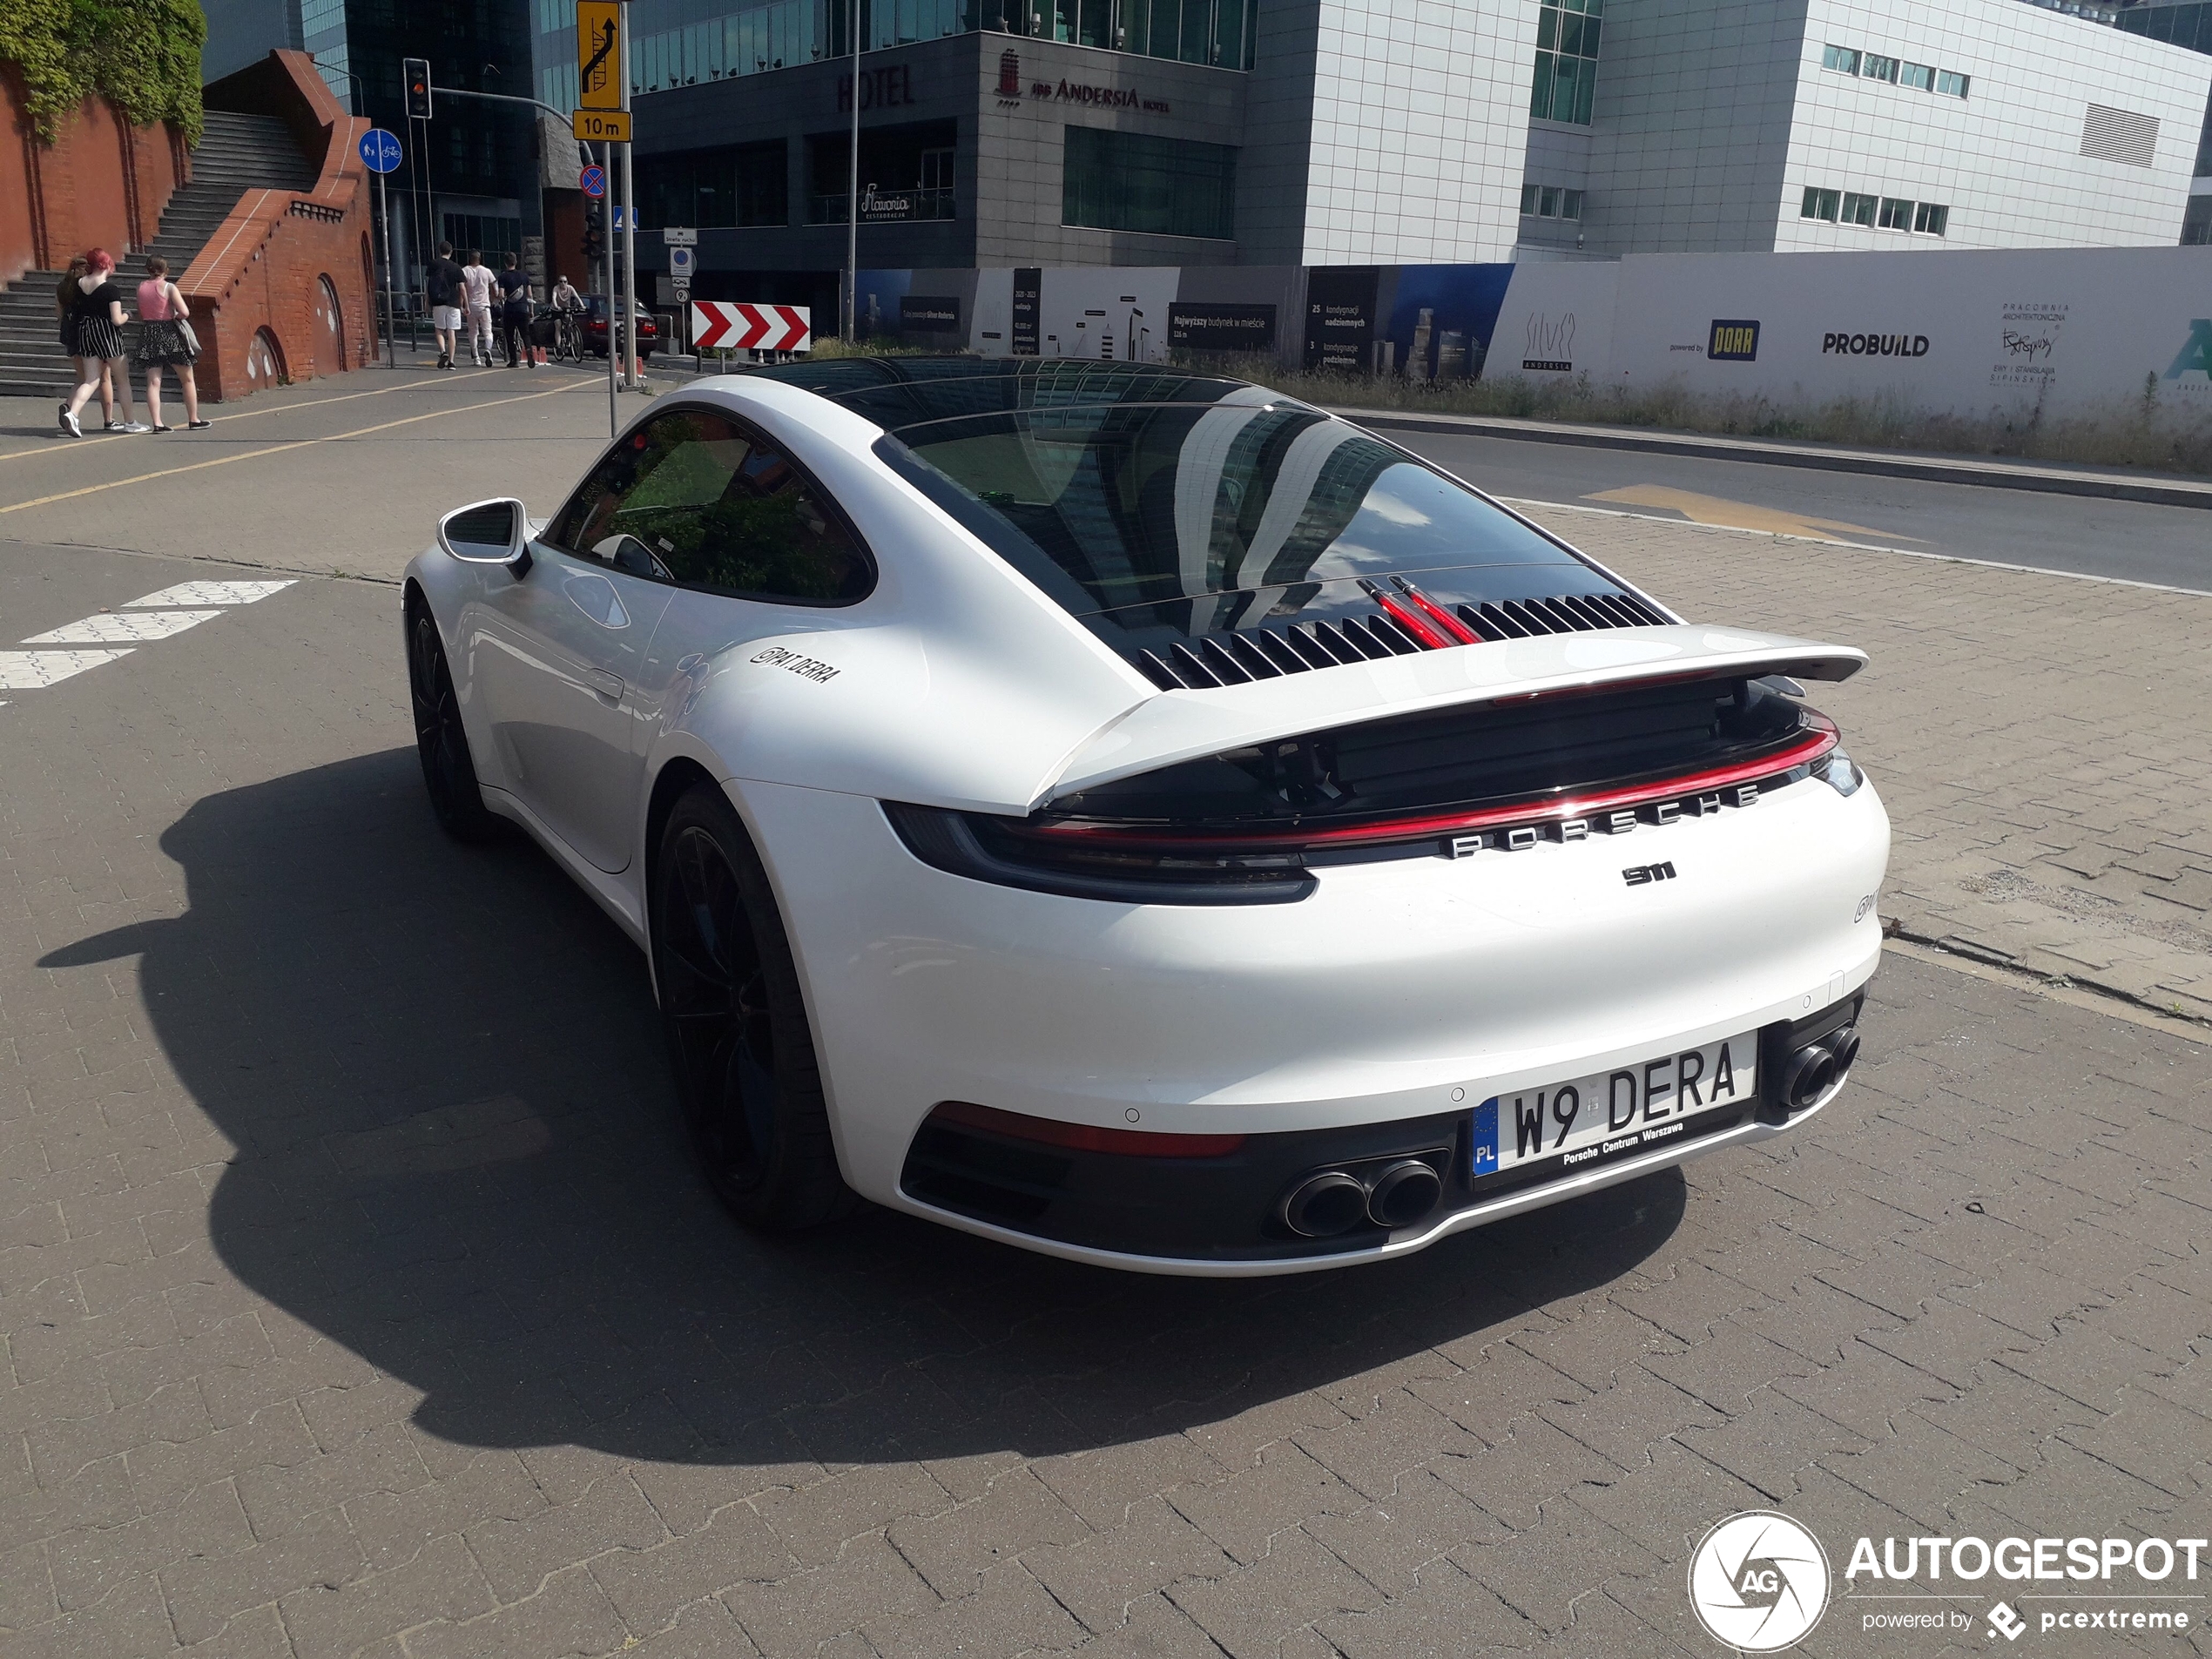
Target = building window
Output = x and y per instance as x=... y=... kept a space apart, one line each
x=484 y=233
x=744 y=185
x=1951 y=84
x=1567 y=41
x=1218 y=32
x=1842 y=59
x=1137 y=181
x=1929 y=218
x=1878 y=69
x=905 y=173
x=1820 y=203
x=2196 y=222
x=1919 y=76
x=1897 y=213
x=1551 y=201
x=1858 y=210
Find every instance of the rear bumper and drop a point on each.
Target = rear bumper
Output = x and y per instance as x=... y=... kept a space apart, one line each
x=1224 y=1214
x=1363 y=1021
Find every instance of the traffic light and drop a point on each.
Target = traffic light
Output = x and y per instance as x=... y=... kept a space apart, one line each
x=595 y=234
x=417 y=74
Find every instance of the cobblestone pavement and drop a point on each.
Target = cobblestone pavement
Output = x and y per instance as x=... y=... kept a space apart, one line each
x=356 y=1295
x=2044 y=744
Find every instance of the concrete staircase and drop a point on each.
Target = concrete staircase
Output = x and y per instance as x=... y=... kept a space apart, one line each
x=237 y=154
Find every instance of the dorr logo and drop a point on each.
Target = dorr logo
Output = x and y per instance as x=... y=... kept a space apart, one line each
x=2196 y=355
x=1733 y=340
x=1758 y=1582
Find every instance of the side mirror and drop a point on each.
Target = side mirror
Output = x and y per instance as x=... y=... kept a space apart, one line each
x=490 y=532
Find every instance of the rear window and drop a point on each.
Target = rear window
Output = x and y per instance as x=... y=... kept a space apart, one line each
x=1169 y=506
x=1164 y=507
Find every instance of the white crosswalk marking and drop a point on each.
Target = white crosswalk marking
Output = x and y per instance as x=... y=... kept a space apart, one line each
x=209 y=593
x=123 y=628
x=26 y=671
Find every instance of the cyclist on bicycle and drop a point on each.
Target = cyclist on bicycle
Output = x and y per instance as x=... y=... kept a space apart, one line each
x=568 y=309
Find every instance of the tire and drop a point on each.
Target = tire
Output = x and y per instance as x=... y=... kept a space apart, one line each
x=736 y=1026
x=448 y=770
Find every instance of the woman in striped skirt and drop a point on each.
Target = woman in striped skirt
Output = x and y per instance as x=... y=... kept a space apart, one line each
x=96 y=321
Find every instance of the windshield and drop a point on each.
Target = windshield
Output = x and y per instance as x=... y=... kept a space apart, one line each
x=1159 y=504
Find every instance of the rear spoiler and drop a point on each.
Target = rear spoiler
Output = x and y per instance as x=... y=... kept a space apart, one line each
x=1183 y=726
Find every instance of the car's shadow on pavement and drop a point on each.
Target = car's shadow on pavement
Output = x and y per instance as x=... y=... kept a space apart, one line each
x=457 y=1159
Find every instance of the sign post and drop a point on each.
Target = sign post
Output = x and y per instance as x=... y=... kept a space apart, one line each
x=683 y=259
x=633 y=375
x=380 y=154
x=603 y=88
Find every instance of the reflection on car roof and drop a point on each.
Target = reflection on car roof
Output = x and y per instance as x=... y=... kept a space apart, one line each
x=898 y=392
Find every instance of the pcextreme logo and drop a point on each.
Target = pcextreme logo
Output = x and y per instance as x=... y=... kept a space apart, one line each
x=1758 y=1582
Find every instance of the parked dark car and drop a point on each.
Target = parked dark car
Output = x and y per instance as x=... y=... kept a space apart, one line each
x=595 y=327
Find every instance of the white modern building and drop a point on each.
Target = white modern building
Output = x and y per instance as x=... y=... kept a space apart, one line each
x=1792 y=125
x=1050 y=133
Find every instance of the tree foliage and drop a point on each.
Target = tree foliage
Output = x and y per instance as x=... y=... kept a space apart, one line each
x=141 y=55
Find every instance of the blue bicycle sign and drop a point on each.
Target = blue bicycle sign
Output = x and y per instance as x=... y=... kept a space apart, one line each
x=379 y=150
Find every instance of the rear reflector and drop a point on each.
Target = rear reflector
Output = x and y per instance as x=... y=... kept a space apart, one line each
x=1082 y=1138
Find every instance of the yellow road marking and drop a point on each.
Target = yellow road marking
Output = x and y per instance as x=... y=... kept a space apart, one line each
x=279 y=448
x=1736 y=515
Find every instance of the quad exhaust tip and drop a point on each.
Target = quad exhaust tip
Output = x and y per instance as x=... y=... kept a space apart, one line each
x=1335 y=1201
x=1818 y=1067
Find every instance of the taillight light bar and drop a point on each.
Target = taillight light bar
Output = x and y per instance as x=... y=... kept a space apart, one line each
x=1819 y=739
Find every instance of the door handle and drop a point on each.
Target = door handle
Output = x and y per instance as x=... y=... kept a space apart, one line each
x=608 y=686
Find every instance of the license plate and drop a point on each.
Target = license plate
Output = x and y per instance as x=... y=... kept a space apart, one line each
x=1614 y=1114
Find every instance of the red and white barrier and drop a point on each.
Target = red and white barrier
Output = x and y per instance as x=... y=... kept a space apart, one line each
x=726 y=325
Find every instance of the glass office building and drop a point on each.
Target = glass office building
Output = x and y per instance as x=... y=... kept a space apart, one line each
x=685 y=43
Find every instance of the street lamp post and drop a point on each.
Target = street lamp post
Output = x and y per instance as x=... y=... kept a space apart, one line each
x=853 y=189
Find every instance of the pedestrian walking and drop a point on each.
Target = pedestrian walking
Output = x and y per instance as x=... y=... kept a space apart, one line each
x=64 y=297
x=515 y=305
x=96 y=320
x=478 y=288
x=441 y=290
x=166 y=340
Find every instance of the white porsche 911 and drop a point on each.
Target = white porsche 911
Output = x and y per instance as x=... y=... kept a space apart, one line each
x=1135 y=815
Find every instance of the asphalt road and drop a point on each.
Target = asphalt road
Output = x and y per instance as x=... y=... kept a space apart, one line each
x=2131 y=541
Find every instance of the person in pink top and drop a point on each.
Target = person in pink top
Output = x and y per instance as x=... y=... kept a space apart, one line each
x=165 y=341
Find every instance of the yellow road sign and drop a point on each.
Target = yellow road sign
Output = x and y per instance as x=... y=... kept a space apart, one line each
x=598 y=55
x=602 y=126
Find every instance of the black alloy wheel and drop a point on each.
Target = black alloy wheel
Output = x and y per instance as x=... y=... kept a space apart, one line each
x=736 y=1024
x=448 y=770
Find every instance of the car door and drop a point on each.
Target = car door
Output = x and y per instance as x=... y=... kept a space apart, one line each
x=554 y=652
x=760 y=549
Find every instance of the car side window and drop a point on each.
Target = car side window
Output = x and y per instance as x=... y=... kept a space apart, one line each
x=695 y=497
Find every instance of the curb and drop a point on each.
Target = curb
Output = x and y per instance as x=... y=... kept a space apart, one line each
x=2106 y=485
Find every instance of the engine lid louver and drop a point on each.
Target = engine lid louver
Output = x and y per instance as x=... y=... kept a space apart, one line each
x=1248 y=654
